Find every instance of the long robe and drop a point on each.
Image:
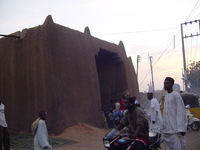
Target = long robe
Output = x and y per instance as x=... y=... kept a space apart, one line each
x=41 y=137
x=155 y=115
x=3 y=122
x=174 y=122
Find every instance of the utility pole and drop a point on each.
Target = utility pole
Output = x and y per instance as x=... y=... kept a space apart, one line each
x=152 y=73
x=183 y=49
x=184 y=62
x=138 y=60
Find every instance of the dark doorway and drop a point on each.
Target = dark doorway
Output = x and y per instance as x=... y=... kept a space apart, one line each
x=112 y=76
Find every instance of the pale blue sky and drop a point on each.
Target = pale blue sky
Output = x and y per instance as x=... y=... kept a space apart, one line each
x=146 y=27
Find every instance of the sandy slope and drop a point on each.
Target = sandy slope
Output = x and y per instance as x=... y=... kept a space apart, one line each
x=88 y=137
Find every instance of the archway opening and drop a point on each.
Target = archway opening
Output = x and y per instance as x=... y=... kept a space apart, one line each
x=112 y=77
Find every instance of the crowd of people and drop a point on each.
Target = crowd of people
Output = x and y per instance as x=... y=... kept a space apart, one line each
x=115 y=111
x=126 y=112
x=171 y=123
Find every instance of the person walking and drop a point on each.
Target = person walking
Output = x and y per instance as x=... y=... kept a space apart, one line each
x=41 y=134
x=174 y=118
x=4 y=134
x=155 y=119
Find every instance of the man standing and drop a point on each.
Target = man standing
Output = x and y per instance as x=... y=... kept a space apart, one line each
x=41 y=136
x=155 y=118
x=135 y=119
x=174 y=118
x=4 y=135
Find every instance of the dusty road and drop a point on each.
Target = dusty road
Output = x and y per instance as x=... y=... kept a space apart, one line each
x=90 y=138
x=193 y=140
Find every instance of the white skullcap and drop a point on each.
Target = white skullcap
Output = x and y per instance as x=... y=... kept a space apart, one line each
x=150 y=89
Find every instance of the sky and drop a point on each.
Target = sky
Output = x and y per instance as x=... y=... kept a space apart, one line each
x=146 y=27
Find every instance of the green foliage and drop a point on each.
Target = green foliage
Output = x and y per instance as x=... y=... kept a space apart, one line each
x=193 y=72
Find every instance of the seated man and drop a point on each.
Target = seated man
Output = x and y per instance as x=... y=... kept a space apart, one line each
x=135 y=119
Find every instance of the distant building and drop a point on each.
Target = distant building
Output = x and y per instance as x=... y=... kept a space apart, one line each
x=71 y=75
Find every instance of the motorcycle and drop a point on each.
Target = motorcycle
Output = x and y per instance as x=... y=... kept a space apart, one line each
x=193 y=122
x=114 y=140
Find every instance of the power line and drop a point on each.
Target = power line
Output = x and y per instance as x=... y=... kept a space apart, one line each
x=142 y=31
x=159 y=57
x=197 y=16
x=155 y=63
x=193 y=10
x=187 y=50
x=163 y=53
x=196 y=50
x=191 y=50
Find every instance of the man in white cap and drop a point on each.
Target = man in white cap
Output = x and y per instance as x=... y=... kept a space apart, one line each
x=155 y=118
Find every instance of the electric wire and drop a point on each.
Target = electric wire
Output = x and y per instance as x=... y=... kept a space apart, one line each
x=187 y=51
x=162 y=53
x=191 y=33
x=196 y=49
x=197 y=16
x=155 y=63
x=193 y=9
x=142 y=31
x=156 y=50
x=158 y=59
x=191 y=50
x=169 y=44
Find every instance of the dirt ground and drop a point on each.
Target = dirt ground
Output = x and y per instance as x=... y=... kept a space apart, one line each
x=90 y=138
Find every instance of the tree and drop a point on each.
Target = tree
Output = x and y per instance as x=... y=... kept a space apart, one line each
x=193 y=72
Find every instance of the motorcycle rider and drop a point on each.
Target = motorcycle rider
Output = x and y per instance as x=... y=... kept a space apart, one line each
x=135 y=119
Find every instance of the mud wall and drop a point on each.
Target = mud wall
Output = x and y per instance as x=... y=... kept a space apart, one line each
x=71 y=75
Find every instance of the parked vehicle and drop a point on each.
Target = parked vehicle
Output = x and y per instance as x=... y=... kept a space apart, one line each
x=192 y=100
x=114 y=140
x=193 y=122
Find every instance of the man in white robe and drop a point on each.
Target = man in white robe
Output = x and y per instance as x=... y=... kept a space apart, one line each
x=41 y=136
x=4 y=134
x=155 y=118
x=174 y=118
